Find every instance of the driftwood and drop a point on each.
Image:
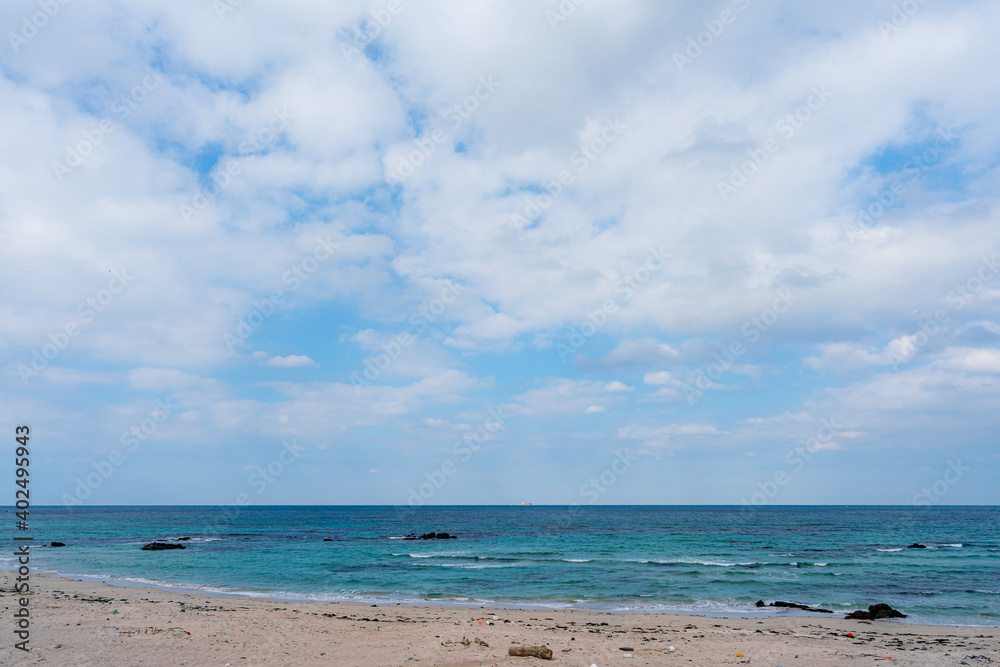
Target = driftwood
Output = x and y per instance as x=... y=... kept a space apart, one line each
x=542 y=652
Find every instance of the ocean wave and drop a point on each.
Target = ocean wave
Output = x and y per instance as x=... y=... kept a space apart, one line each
x=477 y=566
x=499 y=559
x=891 y=550
x=690 y=561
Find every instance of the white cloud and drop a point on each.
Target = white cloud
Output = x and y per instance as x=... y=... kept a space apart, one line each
x=982 y=360
x=661 y=377
x=291 y=361
x=616 y=386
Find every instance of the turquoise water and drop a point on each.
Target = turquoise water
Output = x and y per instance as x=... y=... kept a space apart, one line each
x=676 y=559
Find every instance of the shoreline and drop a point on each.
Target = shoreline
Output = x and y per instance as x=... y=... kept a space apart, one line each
x=83 y=622
x=290 y=597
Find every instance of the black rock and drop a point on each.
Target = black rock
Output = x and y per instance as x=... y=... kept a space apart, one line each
x=875 y=612
x=883 y=610
x=760 y=603
x=328 y=539
x=57 y=544
x=795 y=605
x=160 y=546
x=183 y=539
x=916 y=545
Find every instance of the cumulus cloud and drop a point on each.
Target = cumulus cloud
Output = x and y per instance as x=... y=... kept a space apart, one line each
x=290 y=361
x=193 y=196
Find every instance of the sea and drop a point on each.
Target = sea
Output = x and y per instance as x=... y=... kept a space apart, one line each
x=716 y=561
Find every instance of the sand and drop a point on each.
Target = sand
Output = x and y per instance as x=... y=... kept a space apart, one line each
x=88 y=623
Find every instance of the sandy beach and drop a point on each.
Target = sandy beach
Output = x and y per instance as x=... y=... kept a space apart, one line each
x=92 y=623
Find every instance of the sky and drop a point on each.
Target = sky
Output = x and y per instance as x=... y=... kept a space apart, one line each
x=577 y=252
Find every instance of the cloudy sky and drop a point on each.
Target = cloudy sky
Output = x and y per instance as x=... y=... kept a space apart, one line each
x=580 y=252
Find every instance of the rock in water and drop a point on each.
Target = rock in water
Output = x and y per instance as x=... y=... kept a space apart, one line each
x=542 y=652
x=160 y=546
x=760 y=603
x=917 y=545
x=796 y=605
x=883 y=610
x=57 y=544
x=875 y=612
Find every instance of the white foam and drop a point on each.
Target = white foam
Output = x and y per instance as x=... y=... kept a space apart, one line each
x=691 y=561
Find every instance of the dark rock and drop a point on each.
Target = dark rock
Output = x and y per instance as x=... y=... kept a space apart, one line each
x=883 y=610
x=875 y=612
x=183 y=539
x=795 y=605
x=760 y=603
x=160 y=546
x=57 y=544
x=917 y=545
x=328 y=539
x=431 y=536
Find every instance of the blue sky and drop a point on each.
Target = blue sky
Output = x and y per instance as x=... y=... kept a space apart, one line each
x=483 y=253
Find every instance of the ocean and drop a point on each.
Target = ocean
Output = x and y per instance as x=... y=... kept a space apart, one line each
x=705 y=560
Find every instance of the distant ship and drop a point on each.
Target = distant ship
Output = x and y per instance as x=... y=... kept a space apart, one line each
x=528 y=504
